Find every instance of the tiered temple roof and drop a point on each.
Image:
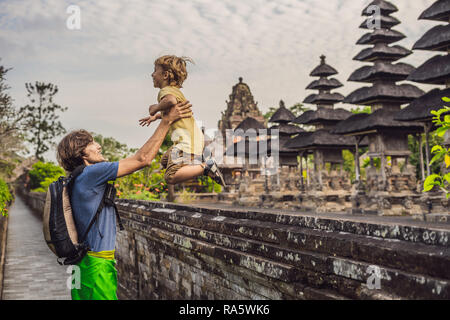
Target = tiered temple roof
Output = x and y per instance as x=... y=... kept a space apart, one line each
x=283 y=117
x=245 y=142
x=436 y=70
x=383 y=74
x=282 y=114
x=250 y=123
x=325 y=117
x=438 y=11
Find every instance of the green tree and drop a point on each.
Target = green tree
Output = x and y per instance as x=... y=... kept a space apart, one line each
x=366 y=109
x=112 y=149
x=8 y=115
x=298 y=108
x=11 y=138
x=40 y=119
x=270 y=113
x=5 y=198
x=42 y=174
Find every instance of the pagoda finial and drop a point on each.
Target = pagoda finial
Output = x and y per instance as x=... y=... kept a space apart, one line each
x=322 y=59
x=240 y=79
x=282 y=104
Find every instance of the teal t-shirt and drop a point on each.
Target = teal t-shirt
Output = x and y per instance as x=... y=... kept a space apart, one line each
x=87 y=193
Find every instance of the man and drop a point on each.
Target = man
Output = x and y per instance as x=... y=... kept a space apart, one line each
x=98 y=272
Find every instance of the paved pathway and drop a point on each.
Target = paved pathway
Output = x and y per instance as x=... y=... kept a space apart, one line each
x=31 y=270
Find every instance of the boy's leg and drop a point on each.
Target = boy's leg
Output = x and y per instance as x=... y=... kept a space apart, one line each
x=186 y=173
x=182 y=167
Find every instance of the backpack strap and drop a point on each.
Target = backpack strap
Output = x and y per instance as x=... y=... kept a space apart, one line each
x=110 y=192
x=73 y=175
x=94 y=219
x=108 y=199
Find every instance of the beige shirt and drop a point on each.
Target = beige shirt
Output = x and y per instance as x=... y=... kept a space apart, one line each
x=185 y=133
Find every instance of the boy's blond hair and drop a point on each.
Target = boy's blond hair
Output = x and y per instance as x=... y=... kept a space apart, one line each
x=176 y=67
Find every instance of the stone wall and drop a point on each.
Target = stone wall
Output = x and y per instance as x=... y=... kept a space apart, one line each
x=172 y=251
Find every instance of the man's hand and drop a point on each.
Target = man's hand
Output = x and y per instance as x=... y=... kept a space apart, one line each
x=179 y=111
x=148 y=120
x=152 y=109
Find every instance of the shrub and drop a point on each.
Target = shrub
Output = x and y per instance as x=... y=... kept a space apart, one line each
x=5 y=197
x=441 y=153
x=146 y=184
x=43 y=174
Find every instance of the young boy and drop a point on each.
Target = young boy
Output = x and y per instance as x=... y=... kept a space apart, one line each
x=184 y=160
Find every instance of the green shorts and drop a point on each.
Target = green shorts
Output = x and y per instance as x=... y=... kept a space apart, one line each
x=98 y=279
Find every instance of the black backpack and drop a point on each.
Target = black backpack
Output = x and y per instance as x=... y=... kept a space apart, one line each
x=60 y=231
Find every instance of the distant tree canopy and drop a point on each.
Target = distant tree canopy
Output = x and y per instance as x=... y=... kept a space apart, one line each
x=11 y=139
x=40 y=119
x=112 y=149
x=366 y=109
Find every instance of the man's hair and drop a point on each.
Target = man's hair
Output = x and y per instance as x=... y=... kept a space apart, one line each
x=70 y=149
x=176 y=67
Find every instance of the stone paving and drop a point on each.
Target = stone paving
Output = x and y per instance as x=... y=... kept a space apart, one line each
x=31 y=270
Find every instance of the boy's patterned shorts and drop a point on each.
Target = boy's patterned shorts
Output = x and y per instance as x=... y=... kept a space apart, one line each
x=174 y=159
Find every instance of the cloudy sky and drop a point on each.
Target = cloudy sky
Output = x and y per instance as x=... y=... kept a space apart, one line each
x=103 y=69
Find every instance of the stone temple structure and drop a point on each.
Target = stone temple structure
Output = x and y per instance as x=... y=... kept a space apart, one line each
x=288 y=172
x=391 y=186
x=282 y=117
x=435 y=71
x=240 y=107
x=243 y=117
x=251 y=146
x=328 y=184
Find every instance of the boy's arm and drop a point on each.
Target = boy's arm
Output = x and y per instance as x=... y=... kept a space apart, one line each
x=165 y=104
x=149 y=119
x=145 y=155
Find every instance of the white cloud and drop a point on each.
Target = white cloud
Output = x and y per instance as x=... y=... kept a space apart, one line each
x=103 y=69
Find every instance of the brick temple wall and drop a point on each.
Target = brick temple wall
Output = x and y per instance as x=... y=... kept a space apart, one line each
x=172 y=251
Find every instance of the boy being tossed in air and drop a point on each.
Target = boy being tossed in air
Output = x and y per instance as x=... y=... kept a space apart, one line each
x=184 y=160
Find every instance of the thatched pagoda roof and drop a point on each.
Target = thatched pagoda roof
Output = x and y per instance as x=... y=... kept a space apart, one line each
x=386 y=8
x=438 y=11
x=324 y=84
x=437 y=39
x=320 y=138
x=287 y=129
x=324 y=98
x=282 y=115
x=323 y=70
x=384 y=93
x=323 y=115
x=248 y=147
x=381 y=36
x=386 y=22
x=382 y=51
x=380 y=119
x=284 y=140
x=250 y=123
x=434 y=71
x=352 y=121
x=382 y=71
x=420 y=109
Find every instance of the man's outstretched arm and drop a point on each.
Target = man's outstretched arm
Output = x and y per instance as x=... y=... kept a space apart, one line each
x=145 y=155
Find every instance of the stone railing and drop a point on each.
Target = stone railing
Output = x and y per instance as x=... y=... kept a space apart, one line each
x=173 y=251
